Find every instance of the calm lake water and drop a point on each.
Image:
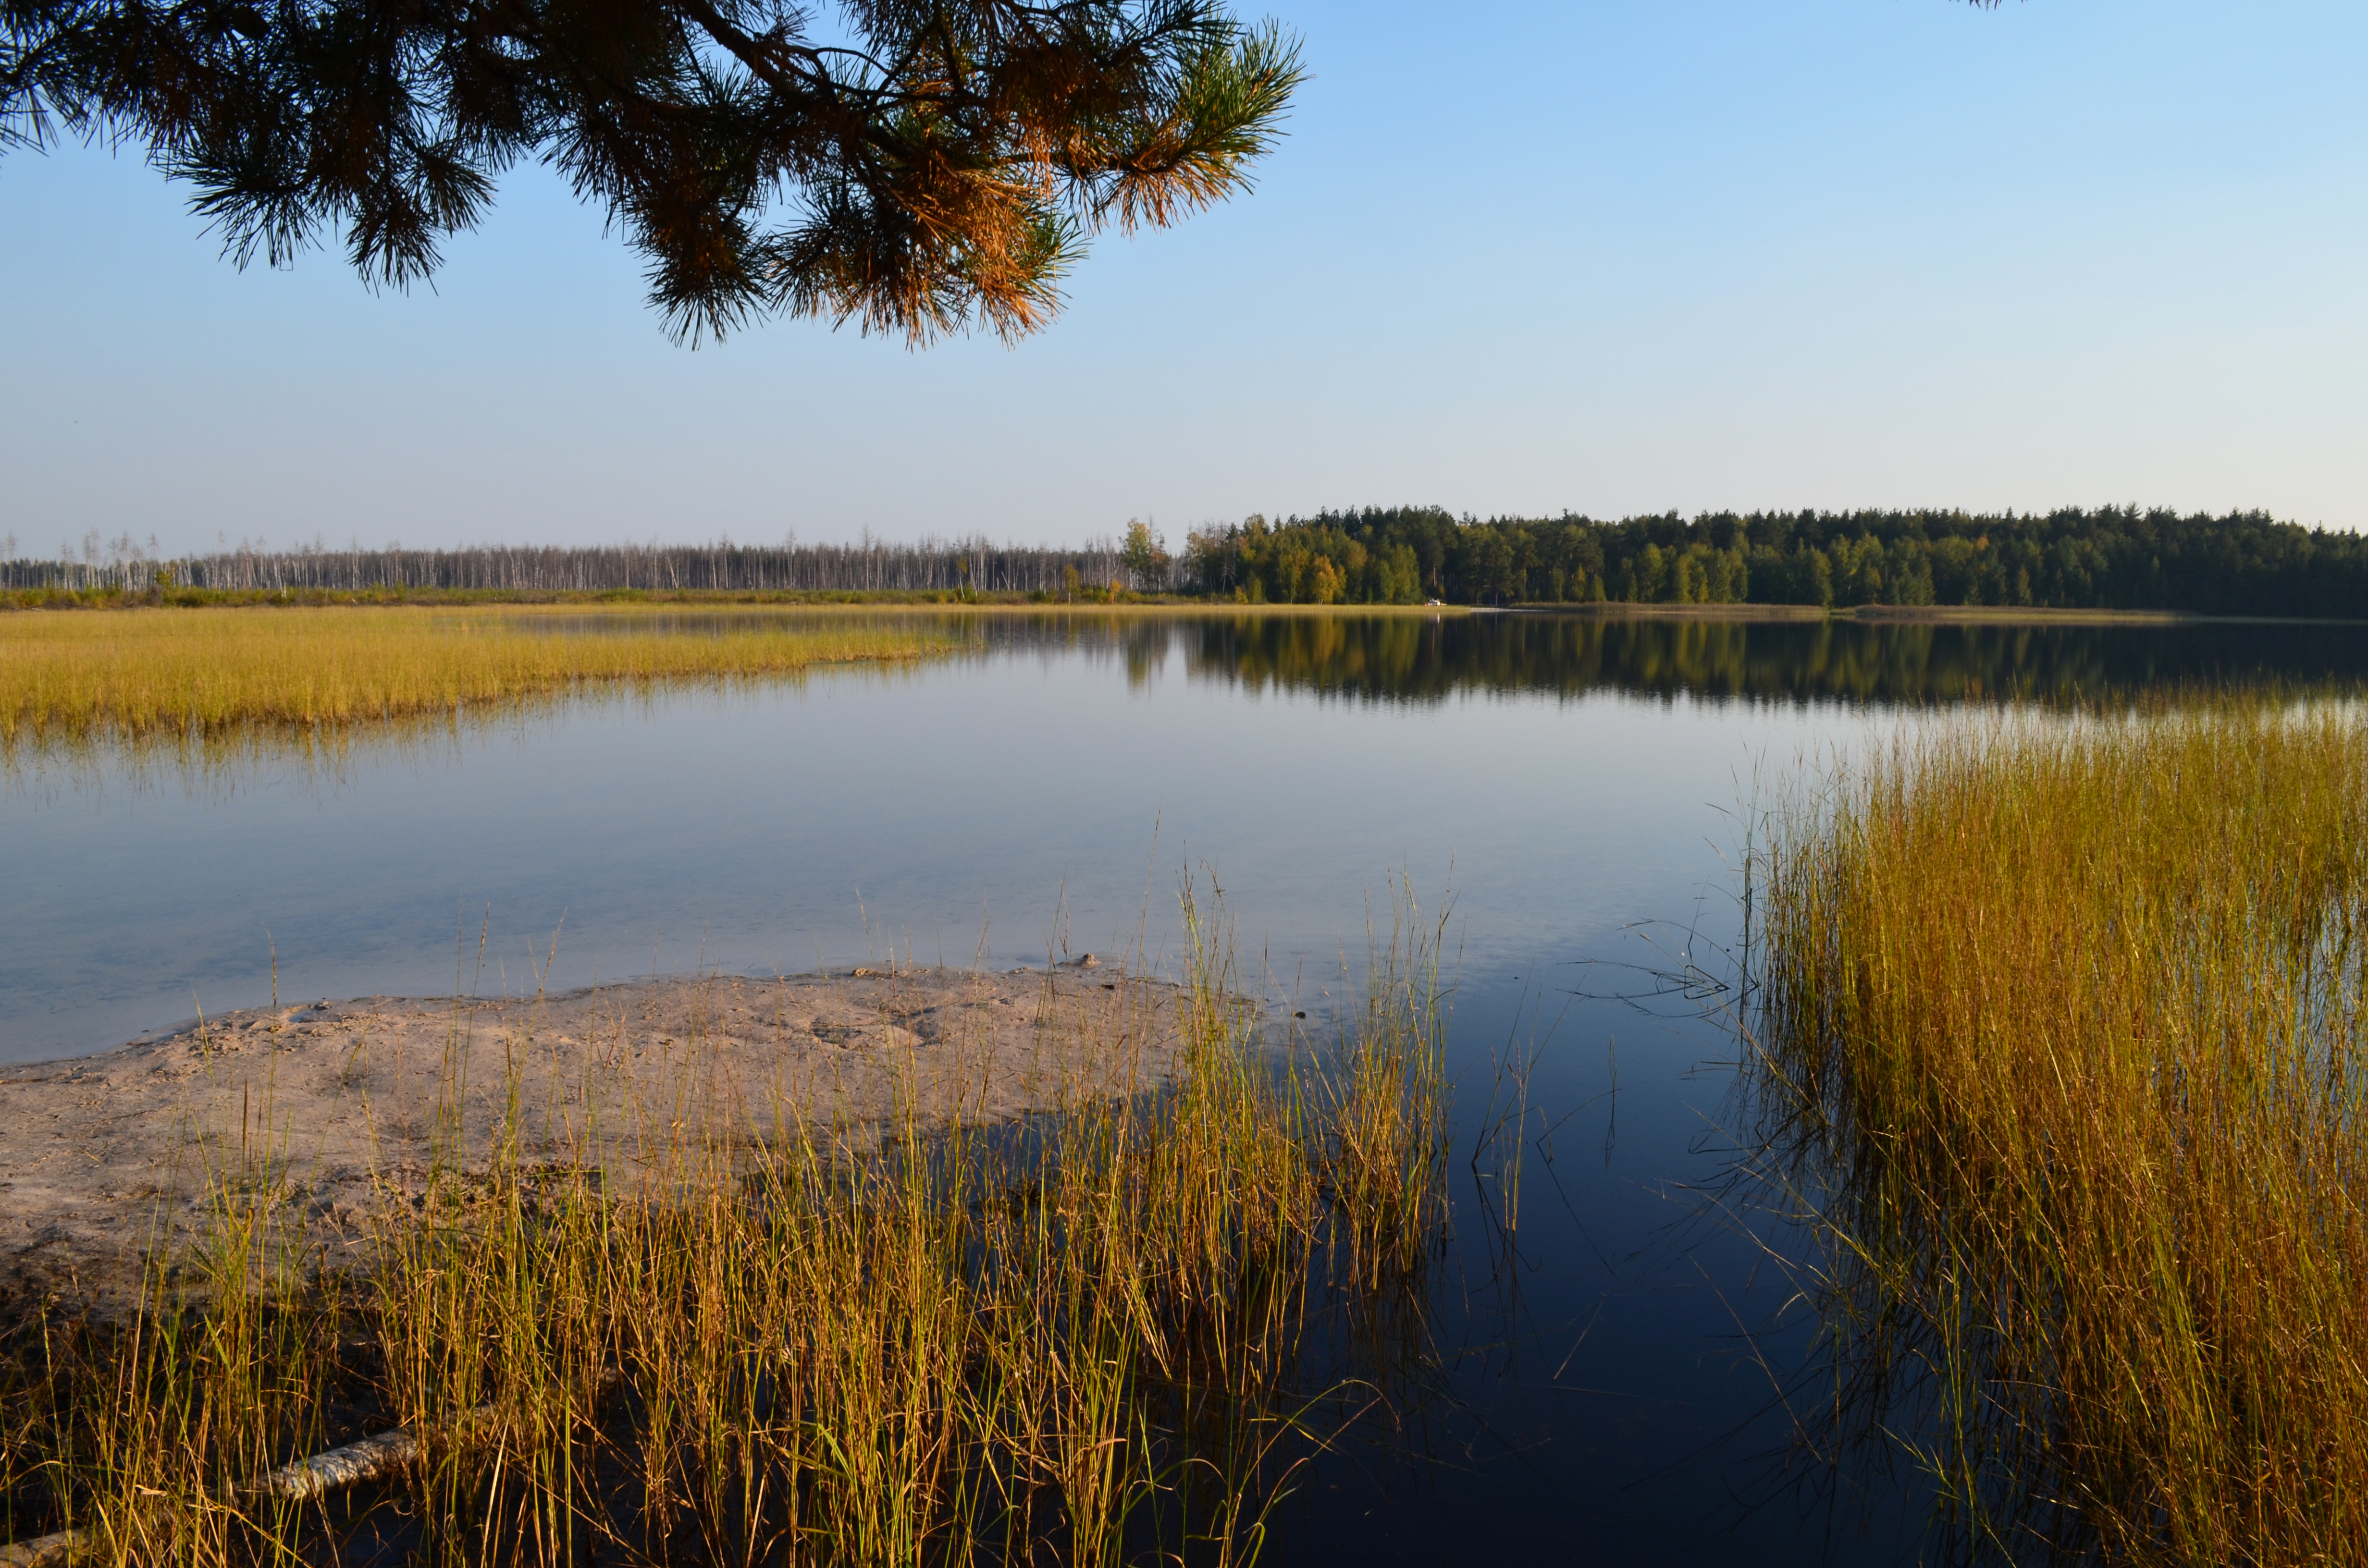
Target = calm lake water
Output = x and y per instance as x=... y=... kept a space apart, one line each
x=1571 y=792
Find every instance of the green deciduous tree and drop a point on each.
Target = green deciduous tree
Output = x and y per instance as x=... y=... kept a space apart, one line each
x=1144 y=556
x=919 y=169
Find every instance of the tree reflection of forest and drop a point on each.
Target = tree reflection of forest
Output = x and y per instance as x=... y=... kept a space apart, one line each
x=1415 y=659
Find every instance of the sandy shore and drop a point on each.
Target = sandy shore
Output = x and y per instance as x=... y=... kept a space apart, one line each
x=329 y=1111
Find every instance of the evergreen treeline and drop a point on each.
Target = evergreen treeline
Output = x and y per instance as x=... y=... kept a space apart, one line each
x=2244 y=564
x=869 y=565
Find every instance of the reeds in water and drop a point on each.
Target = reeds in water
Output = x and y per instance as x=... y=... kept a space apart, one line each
x=1110 y=1333
x=133 y=676
x=2060 y=1054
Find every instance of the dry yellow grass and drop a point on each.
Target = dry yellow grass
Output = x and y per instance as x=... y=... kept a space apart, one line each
x=2062 y=1035
x=141 y=674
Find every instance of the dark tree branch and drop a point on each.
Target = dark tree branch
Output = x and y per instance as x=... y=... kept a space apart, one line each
x=947 y=166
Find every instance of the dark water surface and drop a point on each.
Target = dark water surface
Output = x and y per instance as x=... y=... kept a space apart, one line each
x=1576 y=786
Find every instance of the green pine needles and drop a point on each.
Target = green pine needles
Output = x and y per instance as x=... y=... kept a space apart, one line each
x=940 y=165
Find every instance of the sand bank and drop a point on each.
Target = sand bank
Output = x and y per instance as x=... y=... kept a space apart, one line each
x=331 y=1112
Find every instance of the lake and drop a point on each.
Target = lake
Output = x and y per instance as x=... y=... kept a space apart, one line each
x=1570 y=792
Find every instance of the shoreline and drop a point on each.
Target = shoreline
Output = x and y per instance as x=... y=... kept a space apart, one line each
x=625 y=603
x=322 y=1117
x=1911 y=615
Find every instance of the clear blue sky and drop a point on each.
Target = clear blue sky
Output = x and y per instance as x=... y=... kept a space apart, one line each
x=1513 y=258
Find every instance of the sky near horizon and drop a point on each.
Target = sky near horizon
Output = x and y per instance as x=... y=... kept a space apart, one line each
x=1512 y=258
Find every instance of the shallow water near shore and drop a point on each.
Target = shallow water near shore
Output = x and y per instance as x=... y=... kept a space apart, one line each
x=1577 y=786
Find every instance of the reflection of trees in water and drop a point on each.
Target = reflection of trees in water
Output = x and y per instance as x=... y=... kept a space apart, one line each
x=1376 y=658
x=1414 y=659
x=1383 y=657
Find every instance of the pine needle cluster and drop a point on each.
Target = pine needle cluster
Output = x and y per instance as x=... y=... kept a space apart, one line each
x=943 y=163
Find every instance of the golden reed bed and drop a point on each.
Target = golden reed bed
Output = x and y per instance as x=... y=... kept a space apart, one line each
x=134 y=674
x=2060 y=1056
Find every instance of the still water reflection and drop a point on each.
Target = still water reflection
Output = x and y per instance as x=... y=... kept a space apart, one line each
x=1575 y=784
x=1797 y=661
x=1420 y=657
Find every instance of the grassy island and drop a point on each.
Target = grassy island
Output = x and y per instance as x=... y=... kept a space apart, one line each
x=145 y=675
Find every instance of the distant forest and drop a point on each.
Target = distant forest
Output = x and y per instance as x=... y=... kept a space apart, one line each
x=2244 y=564
x=954 y=568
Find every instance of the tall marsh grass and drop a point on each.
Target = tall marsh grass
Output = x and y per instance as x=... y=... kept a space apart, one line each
x=2059 y=1052
x=140 y=675
x=1111 y=1334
